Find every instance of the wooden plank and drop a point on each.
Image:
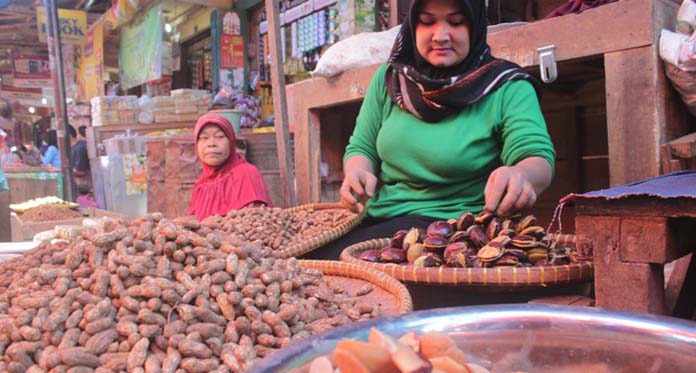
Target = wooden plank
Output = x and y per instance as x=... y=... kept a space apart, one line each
x=636 y=287
x=683 y=147
x=393 y=13
x=347 y=87
x=685 y=305
x=591 y=32
x=632 y=117
x=302 y=143
x=674 y=281
x=648 y=240
x=314 y=129
x=280 y=105
x=637 y=206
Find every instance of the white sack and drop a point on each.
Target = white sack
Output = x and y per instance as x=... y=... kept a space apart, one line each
x=364 y=49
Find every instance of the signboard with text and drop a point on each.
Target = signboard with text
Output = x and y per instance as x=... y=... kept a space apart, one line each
x=72 y=25
x=90 y=72
x=232 y=55
x=30 y=70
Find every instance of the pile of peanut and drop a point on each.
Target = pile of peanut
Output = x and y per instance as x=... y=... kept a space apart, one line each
x=276 y=228
x=50 y=213
x=160 y=295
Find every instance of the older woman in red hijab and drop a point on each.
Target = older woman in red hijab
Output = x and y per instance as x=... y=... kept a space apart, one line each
x=228 y=182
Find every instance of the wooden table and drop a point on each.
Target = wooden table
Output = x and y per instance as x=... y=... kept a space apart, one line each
x=642 y=109
x=632 y=239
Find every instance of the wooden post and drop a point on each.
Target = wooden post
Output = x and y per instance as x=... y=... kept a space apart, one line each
x=280 y=107
x=56 y=61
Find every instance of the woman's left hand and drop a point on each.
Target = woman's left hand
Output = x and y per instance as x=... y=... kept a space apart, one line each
x=512 y=188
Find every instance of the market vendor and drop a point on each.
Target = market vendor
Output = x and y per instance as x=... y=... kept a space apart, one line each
x=228 y=182
x=444 y=128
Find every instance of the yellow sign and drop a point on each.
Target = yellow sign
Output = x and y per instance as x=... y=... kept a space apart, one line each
x=73 y=25
x=90 y=72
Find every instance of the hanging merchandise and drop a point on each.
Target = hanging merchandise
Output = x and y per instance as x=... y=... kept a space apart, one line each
x=140 y=52
x=332 y=26
x=295 y=51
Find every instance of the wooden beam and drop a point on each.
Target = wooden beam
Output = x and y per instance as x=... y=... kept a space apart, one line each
x=591 y=32
x=631 y=92
x=287 y=177
x=246 y=4
x=224 y=4
x=393 y=13
x=15 y=17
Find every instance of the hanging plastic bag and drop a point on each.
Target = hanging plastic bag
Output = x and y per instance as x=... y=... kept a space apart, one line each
x=146 y=110
x=686 y=17
x=685 y=83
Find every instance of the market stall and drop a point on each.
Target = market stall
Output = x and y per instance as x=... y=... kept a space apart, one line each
x=150 y=288
x=27 y=183
x=609 y=84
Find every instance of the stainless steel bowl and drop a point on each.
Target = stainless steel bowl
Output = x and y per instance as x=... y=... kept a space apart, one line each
x=529 y=338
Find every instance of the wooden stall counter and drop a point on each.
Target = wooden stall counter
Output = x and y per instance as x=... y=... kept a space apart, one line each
x=27 y=183
x=632 y=232
x=617 y=42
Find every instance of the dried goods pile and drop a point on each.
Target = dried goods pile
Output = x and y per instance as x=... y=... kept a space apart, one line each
x=277 y=228
x=475 y=241
x=50 y=213
x=431 y=352
x=159 y=295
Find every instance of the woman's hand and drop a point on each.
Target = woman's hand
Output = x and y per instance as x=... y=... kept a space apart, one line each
x=510 y=189
x=359 y=183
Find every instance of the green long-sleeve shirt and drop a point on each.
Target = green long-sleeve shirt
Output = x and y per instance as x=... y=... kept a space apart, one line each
x=441 y=169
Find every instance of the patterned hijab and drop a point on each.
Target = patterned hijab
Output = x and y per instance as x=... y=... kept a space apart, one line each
x=431 y=93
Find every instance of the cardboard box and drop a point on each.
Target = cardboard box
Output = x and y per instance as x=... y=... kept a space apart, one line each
x=25 y=230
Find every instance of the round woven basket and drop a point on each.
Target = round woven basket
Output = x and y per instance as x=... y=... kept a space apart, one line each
x=324 y=238
x=391 y=295
x=523 y=277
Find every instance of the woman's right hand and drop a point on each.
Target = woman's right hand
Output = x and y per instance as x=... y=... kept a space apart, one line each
x=358 y=186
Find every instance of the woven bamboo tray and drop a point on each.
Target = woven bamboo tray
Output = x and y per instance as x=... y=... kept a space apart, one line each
x=523 y=277
x=321 y=240
x=390 y=294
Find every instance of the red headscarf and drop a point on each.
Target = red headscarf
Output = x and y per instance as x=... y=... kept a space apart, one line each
x=229 y=186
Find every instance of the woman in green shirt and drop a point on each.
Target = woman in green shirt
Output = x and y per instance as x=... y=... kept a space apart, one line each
x=444 y=128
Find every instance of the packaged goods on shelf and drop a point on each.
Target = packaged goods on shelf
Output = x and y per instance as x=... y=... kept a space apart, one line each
x=80 y=115
x=165 y=117
x=109 y=110
x=186 y=109
x=163 y=101
x=114 y=102
x=128 y=144
x=190 y=117
x=187 y=91
x=79 y=110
